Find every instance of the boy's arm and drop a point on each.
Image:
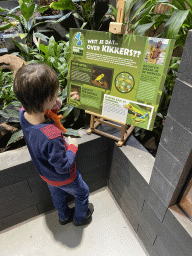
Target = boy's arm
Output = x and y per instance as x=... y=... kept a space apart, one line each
x=59 y=158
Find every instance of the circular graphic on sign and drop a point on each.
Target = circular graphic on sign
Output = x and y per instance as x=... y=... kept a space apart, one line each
x=124 y=82
x=78 y=39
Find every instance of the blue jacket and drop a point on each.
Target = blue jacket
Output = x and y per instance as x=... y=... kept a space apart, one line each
x=52 y=157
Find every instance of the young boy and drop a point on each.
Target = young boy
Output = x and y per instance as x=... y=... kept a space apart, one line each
x=36 y=87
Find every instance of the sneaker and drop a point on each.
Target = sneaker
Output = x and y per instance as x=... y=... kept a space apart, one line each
x=89 y=214
x=64 y=222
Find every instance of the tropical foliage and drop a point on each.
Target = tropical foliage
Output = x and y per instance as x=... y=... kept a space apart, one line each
x=7 y=95
x=25 y=24
x=95 y=14
x=142 y=18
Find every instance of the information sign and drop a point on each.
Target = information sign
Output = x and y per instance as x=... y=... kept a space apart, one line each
x=118 y=76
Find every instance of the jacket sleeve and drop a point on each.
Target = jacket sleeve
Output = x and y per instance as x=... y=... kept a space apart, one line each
x=60 y=158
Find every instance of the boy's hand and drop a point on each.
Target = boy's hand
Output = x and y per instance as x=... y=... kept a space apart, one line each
x=72 y=141
x=57 y=104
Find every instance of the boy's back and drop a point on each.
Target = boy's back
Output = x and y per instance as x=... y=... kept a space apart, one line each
x=46 y=144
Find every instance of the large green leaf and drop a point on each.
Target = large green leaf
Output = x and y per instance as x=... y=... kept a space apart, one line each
x=62 y=109
x=71 y=132
x=21 y=46
x=76 y=113
x=10 y=115
x=112 y=11
x=41 y=36
x=2 y=9
x=27 y=10
x=173 y=25
x=15 y=137
x=43 y=48
x=137 y=7
x=63 y=5
x=142 y=29
x=67 y=112
x=64 y=17
x=128 y=5
x=179 y=4
x=15 y=17
x=4 y=27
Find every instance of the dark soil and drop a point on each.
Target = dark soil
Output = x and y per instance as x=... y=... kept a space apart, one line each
x=150 y=142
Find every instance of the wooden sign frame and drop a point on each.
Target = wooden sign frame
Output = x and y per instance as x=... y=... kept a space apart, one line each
x=96 y=119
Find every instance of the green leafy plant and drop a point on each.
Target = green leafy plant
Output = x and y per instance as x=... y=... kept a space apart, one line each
x=176 y=21
x=95 y=15
x=6 y=89
x=55 y=55
x=25 y=24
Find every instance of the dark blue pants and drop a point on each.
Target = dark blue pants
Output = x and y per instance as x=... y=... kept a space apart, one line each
x=79 y=190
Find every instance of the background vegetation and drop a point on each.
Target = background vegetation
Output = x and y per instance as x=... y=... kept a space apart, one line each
x=159 y=18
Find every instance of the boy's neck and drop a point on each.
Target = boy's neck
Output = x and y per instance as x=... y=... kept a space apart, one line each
x=35 y=118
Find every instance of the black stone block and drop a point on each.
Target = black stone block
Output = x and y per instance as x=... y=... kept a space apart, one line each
x=88 y=162
x=94 y=174
x=92 y=147
x=14 y=191
x=24 y=202
x=160 y=248
x=162 y=187
x=170 y=244
x=162 y=232
x=183 y=239
x=150 y=248
x=130 y=171
x=181 y=104
x=127 y=211
x=45 y=206
x=156 y=204
x=97 y=184
x=125 y=198
x=124 y=177
x=184 y=72
x=36 y=183
x=176 y=139
x=17 y=173
x=18 y=217
x=168 y=165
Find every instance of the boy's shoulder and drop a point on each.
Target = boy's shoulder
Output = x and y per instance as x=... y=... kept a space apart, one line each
x=51 y=131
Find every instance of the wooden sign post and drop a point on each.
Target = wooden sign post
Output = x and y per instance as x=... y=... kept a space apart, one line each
x=118 y=27
x=96 y=119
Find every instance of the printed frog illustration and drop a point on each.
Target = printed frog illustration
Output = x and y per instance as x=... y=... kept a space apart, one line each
x=100 y=78
x=138 y=114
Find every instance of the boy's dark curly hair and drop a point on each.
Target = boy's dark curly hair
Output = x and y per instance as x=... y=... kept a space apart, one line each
x=33 y=85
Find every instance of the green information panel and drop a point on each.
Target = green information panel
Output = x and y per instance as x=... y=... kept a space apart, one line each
x=118 y=76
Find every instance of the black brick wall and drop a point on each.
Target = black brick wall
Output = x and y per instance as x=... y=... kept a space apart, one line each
x=155 y=224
